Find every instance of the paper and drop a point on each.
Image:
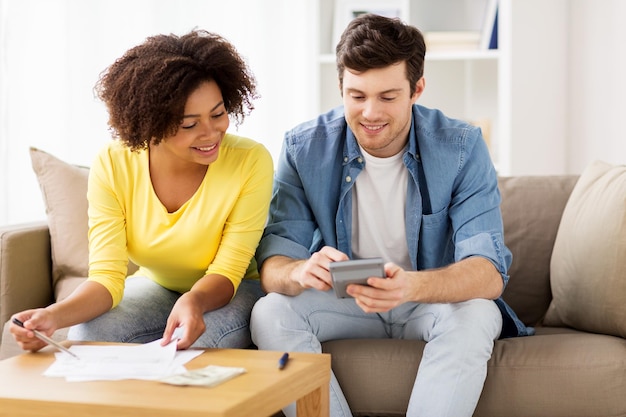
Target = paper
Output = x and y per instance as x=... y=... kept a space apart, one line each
x=113 y=362
x=208 y=376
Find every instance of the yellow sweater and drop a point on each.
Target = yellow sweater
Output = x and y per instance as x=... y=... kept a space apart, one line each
x=216 y=231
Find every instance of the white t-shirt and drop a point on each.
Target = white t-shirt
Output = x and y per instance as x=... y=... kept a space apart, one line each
x=378 y=210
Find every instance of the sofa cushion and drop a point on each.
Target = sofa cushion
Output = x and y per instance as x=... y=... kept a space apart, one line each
x=557 y=372
x=589 y=257
x=64 y=190
x=531 y=212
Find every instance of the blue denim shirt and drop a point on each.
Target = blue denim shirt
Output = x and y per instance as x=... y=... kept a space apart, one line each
x=452 y=205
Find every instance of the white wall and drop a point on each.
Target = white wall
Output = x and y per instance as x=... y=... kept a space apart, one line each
x=568 y=85
x=539 y=73
x=596 y=83
x=52 y=52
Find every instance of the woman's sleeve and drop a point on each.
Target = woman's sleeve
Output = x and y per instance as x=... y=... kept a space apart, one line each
x=245 y=224
x=108 y=256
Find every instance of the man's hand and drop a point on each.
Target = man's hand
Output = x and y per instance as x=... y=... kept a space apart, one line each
x=470 y=278
x=315 y=271
x=382 y=294
x=288 y=276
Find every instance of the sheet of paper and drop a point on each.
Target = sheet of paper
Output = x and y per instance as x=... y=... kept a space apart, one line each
x=111 y=362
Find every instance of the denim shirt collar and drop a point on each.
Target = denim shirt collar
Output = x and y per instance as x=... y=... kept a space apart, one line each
x=351 y=150
x=413 y=148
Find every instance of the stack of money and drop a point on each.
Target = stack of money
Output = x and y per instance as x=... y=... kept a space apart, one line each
x=208 y=376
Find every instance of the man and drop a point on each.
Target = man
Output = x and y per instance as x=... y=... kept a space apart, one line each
x=384 y=177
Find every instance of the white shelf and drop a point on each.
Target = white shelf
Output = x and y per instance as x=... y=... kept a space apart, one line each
x=464 y=84
x=519 y=87
x=469 y=55
x=491 y=54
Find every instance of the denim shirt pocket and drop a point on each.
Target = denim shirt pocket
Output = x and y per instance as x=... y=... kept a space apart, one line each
x=435 y=247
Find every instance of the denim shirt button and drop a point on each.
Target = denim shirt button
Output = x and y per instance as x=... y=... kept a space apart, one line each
x=348 y=178
x=360 y=160
x=345 y=159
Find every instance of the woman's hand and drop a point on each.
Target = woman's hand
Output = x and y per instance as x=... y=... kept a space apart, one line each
x=39 y=319
x=188 y=314
x=209 y=293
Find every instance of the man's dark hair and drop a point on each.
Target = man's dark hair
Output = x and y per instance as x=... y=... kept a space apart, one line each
x=372 y=41
x=146 y=90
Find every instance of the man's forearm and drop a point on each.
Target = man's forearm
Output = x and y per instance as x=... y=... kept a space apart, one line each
x=471 y=278
x=276 y=275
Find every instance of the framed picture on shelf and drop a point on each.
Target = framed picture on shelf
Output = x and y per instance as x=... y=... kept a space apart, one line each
x=346 y=10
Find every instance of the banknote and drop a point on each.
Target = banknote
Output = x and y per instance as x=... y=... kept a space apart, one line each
x=208 y=376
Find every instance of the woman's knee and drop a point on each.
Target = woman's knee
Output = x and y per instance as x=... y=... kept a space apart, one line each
x=117 y=326
x=229 y=326
x=234 y=335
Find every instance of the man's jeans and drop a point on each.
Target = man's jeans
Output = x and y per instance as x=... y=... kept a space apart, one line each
x=145 y=307
x=451 y=374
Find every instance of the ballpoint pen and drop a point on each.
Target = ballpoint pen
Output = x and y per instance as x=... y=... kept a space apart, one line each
x=282 y=362
x=46 y=339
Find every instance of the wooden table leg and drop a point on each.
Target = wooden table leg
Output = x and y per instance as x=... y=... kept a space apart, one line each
x=315 y=404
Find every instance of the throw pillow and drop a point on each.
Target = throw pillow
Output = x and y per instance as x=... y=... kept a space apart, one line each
x=532 y=207
x=589 y=257
x=64 y=190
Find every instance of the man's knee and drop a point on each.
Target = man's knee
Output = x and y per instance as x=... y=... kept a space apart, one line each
x=269 y=305
x=266 y=314
x=486 y=317
x=479 y=318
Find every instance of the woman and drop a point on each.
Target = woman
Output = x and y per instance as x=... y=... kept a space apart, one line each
x=176 y=195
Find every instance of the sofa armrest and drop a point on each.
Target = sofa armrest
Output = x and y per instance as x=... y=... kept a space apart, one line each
x=25 y=268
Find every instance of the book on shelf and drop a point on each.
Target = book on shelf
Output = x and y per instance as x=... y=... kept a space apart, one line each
x=451 y=40
x=489 y=36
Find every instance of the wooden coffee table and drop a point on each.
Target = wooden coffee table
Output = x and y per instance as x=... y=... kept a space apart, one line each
x=262 y=391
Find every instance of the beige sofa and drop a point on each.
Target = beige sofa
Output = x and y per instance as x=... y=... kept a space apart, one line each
x=569 y=368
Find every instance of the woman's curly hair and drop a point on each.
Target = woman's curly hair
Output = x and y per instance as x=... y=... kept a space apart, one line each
x=146 y=89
